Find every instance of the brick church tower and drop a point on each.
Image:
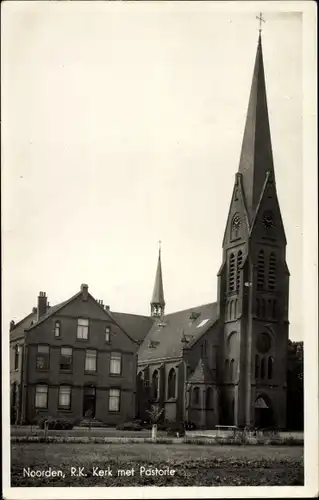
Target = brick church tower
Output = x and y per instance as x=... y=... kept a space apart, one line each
x=253 y=282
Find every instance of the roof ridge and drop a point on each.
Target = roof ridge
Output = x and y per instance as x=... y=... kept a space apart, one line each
x=190 y=308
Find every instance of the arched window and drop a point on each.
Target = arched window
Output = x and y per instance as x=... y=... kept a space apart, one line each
x=196 y=395
x=263 y=308
x=270 y=367
x=140 y=381
x=258 y=307
x=272 y=272
x=261 y=270
x=235 y=309
x=231 y=309
x=262 y=368
x=155 y=384
x=231 y=278
x=239 y=263
x=209 y=398
x=57 y=329
x=16 y=356
x=232 y=369
x=13 y=394
x=235 y=226
x=256 y=366
x=226 y=368
x=171 y=384
x=274 y=309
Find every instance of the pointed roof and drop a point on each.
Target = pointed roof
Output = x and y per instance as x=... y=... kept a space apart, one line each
x=202 y=374
x=158 y=291
x=256 y=155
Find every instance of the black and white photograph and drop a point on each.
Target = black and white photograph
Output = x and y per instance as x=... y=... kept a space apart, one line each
x=159 y=249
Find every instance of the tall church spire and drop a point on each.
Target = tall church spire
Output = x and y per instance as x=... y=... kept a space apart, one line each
x=256 y=155
x=158 y=302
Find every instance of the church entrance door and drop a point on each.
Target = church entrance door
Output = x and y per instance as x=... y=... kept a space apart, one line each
x=264 y=416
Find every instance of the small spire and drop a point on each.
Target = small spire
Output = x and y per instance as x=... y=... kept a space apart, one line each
x=158 y=302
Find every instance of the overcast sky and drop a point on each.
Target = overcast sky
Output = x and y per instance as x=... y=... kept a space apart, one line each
x=122 y=125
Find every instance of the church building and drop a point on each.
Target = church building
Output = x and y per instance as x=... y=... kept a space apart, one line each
x=222 y=363
x=226 y=362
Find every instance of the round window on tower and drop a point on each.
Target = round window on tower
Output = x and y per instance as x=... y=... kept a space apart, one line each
x=263 y=343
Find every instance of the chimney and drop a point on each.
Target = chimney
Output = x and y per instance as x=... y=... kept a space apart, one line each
x=100 y=302
x=48 y=306
x=12 y=325
x=34 y=310
x=42 y=305
x=85 y=291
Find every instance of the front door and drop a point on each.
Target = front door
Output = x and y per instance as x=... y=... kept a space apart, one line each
x=89 y=402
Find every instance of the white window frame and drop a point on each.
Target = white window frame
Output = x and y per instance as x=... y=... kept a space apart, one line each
x=69 y=353
x=90 y=356
x=114 y=400
x=107 y=334
x=65 y=391
x=83 y=329
x=116 y=363
x=57 y=329
x=41 y=391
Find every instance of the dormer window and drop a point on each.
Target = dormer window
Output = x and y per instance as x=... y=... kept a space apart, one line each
x=57 y=329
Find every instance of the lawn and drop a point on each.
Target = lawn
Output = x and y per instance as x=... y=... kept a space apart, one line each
x=192 y=465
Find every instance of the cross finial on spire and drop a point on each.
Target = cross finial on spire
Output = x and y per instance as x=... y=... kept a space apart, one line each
x=261 y=20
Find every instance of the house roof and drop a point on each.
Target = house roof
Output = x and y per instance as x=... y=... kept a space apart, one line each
x=170 y=334
x=23 y=324
x=135 y=325
x=52 y=310
x=202 y=374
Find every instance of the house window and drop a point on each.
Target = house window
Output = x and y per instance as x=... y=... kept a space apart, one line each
x=155 y=384
x=171 y=384
x=196 y=396
x=261 y=270
x=108 y=334
x=114 y=399
x=90 y=360
x=16 y=356
x=116 y=363
x=65 y=397
x=66 y=358
x=43 y=355
x=41 y=396
x=57 y=329
x=83 y=328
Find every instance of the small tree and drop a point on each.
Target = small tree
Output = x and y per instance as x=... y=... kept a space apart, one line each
x=154 y=414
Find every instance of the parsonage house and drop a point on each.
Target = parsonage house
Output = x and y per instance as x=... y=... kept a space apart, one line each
x=220 y=363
